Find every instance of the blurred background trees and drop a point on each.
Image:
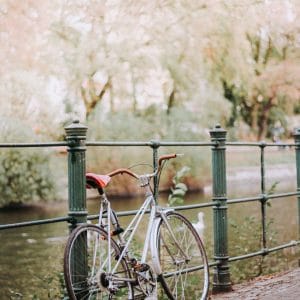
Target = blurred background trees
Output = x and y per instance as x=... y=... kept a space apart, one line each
x=235 y=62
x=258 y=63
x=139 y=69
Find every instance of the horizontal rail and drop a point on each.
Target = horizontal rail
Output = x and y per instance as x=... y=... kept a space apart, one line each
x=142 y=144
x=148 y=144
x=241 y=200
x=262 y=197
x=282 y=195
x=36 y=222
x=133 y=212
x=193 y=206
x=185 y=270
x=265 y=251
x=260 y=144
x=254 y=144
x=236 y=258
x=118 y=144
x=33 y=145
x=176 y=208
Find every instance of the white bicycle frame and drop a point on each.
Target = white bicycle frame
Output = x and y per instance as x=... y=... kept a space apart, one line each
x=127 y=236
x=125 y=239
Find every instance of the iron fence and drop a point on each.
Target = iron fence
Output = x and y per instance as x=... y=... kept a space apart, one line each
x=76 y=146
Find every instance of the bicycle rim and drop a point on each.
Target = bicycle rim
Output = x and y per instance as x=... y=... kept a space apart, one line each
x=182 y=277
x=85 y=274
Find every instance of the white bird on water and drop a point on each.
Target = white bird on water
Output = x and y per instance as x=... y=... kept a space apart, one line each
x=199 y=226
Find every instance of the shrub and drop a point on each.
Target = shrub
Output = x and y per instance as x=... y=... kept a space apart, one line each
x=25 y=175
x=179 y=189
x=248 y=236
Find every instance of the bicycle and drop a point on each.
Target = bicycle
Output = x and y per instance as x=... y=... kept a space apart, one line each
x=99 y=262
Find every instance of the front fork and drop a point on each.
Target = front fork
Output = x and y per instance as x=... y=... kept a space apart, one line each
x=153 y=242
x=162 y=215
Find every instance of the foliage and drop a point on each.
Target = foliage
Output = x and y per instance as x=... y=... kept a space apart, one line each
x=126 y=55
x=247 y=239
x=25 y=175
x=255 y=63
x=53 y=286
x=179 y=189
x=201 y=57
x=151 y=123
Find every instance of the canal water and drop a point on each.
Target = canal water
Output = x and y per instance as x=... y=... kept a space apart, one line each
x=31 y=258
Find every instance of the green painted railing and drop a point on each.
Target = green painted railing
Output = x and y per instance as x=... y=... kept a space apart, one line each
x=76 y=146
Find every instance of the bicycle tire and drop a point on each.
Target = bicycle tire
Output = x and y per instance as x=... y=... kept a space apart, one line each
x=185 y=283
x=89 y=283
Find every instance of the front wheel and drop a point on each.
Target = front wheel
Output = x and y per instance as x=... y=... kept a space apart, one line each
x=181 y=259
x=86 y=266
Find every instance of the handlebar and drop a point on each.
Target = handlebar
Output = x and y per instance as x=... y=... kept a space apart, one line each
x=165 y=157
x=136 y=176
x=121 y=171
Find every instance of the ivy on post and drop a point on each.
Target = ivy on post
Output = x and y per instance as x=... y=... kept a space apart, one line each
x=221 y=274
x=76 y=137
x=297 y=149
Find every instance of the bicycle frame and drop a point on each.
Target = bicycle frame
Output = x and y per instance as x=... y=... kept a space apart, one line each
x=133 y=226
x=125 y=239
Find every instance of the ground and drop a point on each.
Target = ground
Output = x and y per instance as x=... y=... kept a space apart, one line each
x=285 y=286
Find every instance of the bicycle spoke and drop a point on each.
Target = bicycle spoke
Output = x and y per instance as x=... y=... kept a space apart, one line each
x=85 y=277
x=182 y=259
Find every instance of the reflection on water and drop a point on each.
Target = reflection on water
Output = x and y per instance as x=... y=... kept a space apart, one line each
x=31 y=257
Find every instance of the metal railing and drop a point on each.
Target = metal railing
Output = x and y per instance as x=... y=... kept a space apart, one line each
x=76 y=146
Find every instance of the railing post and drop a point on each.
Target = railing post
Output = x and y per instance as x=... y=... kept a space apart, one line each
x=263 y=201
x=297 y=148
x=155 y=146
x=221 y=274
x=76 y=136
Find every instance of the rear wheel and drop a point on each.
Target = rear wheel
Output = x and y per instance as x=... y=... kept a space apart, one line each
x=181 y=258
x=86 y=266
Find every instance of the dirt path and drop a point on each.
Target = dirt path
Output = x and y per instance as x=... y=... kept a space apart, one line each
x=285 y=286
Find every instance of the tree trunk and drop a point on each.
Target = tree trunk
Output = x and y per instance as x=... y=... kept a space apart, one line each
x=254 y=119
x=90 y=97
x=171 y=101
x=263 y=120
